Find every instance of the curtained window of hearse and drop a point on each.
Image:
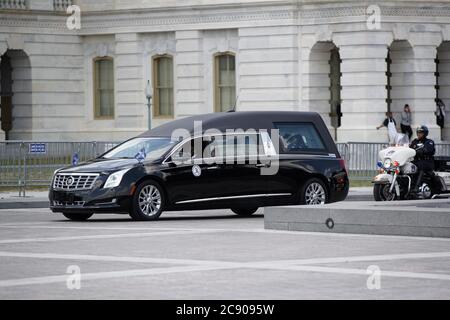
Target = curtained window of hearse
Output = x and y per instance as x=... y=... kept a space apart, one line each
x=224 y=81
x=163 y=86
x=104 y=88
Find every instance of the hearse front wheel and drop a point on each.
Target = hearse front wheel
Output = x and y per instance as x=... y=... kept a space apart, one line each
x=314 y=192
x=148 y=201
x=77 y=216
x=244 y=212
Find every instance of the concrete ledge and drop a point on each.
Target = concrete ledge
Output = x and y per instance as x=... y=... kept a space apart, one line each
x=33 y=199
x=24 y=204
x=427 y=218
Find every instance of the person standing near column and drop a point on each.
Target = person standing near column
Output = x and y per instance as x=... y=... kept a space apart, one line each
x=440 y=113
x=390 y=124
x=405 y=124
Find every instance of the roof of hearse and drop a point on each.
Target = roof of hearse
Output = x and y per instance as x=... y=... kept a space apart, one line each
x=232 y=120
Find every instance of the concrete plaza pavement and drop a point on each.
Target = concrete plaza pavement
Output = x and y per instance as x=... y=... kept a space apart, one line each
x=209 y=255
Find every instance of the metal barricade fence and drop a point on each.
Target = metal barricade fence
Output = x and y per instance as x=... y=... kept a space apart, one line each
x=31 y=163
x=361 y=157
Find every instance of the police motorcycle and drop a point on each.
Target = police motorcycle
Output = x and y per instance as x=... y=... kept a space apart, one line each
x=396 y=175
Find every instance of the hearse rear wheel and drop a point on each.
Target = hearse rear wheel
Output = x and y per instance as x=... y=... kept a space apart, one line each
x=148 y=201
x=244 y=212
x=77 y=216
x=314 y=192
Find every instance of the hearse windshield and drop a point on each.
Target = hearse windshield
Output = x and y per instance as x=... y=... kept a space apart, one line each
x=144 y=148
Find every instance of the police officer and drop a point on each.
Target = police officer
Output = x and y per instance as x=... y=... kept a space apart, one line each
x=424 y=159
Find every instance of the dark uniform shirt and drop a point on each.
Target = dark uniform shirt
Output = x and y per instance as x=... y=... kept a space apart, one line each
x=387 y=120
x=424 y=158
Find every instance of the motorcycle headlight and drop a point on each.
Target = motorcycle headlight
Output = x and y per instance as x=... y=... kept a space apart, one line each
x=115 y=178
x=387 y=163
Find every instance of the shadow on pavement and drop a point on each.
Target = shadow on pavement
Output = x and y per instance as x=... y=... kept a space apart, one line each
x=125 y=218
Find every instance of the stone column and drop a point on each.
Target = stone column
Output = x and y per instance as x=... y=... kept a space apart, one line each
x=3 y=48
x=363 y=83
x=131 y=111
x=189 y=73
x=268 y=68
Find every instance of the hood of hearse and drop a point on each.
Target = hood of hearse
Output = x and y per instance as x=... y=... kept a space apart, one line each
x=101 y=165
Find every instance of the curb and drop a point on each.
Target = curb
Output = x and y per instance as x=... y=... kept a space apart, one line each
x=24 y=204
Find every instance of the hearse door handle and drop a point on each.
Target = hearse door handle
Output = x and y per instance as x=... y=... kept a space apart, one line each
x=262 y=165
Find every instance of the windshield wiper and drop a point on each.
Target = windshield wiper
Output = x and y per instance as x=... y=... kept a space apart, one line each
x=112 y=158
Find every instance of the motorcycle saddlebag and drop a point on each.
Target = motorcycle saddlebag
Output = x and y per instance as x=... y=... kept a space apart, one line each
x=442 y=163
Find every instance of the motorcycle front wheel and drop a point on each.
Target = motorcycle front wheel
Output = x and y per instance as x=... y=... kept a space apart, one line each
x=381 y=192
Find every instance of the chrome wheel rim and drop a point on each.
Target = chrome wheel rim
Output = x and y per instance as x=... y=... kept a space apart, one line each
x=315 y=194
x=388 y=196
x=149 y=200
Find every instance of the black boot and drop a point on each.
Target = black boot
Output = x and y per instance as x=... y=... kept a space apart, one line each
x=415 y=190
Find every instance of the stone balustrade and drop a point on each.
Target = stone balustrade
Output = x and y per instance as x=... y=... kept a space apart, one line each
x=13 y=4
x=56 y=5
x=61 y=5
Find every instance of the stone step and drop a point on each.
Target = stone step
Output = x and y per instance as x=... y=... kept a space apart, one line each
x=427 y=218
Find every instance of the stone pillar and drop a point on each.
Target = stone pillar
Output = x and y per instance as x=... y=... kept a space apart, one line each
x=2 y=133
x=424 y=104
x=363 y=83
x=189 y=74
x=268 y=68
x=131 y=111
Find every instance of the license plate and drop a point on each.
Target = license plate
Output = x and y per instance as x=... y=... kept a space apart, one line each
x=63 y=197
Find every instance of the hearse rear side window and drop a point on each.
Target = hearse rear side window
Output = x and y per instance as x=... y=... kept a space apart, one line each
x=299 y=138
x=221 y=146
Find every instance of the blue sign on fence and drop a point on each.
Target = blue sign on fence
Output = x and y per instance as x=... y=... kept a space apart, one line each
x=37 y=148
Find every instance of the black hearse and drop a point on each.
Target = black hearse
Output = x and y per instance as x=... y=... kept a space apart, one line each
x=235 y=160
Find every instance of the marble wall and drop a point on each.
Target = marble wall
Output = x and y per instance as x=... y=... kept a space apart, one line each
x=282 y=53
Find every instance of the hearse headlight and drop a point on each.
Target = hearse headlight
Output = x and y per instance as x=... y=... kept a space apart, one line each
x=387 y=163
x=115 y=178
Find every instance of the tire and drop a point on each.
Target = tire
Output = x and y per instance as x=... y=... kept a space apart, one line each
x=148 y=201
x=314 y=192
x=244 y=212
x=379 y=193
x=77 y=216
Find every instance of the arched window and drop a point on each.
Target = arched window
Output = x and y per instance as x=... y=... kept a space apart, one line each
x=399 y=76
x=443 y=89
x=323 y=84
x=103 y=88
x=224 y=82
x=163 y=86
x=335 y=88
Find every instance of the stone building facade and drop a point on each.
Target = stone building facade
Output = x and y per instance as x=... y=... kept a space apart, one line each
x=354 y=58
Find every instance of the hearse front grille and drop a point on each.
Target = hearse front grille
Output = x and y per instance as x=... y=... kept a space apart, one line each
x=73 y=182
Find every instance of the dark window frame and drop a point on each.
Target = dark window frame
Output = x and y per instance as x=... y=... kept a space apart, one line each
x=156 y=87
x=96 y=86
x=216 y=79
x=282 y=150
